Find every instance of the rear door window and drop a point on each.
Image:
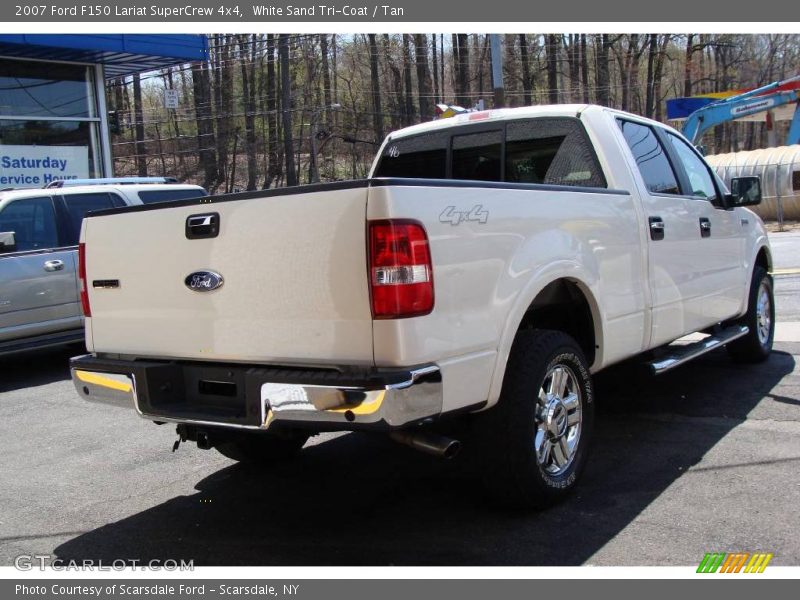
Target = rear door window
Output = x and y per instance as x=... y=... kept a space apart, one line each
x=33 y=221
x=652 y=160
x=421 y=156
x=551 y=151
x=77 y=205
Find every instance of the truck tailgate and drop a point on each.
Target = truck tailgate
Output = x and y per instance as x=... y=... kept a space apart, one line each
x=294 y=275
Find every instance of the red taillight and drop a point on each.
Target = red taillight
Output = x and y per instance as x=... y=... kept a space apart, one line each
x=87 y=311
x=400 y=269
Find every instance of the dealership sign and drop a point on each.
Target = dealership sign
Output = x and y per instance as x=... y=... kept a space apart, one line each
x=36 y=166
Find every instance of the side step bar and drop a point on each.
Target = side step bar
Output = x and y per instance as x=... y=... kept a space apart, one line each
x=679 y=355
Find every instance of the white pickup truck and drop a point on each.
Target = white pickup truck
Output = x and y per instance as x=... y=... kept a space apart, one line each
x=487 y=267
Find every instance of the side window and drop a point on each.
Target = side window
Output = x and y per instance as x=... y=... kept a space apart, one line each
x=650 y=157
x=151 y=196
x=477 y=156
x=78 y=205
x=700 y=180
x=33 y=221
x=421 y=156
x=553 y=151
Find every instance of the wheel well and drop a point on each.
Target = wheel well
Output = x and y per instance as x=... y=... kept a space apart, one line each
x=763 y=259
x=563 y=306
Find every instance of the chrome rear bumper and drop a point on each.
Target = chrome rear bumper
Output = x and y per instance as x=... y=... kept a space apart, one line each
x=258 y=398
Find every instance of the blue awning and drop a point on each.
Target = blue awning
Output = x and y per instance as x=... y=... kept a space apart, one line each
x=122 y=54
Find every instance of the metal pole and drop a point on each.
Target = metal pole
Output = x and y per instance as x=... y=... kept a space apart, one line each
x=106 y=166
x=497 y=70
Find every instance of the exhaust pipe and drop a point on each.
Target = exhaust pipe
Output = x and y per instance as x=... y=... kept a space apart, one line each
x=430 y=443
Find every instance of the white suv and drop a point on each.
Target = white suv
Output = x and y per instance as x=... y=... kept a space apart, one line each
x=39 y=229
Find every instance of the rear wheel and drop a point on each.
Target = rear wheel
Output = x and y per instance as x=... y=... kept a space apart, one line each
x=262 y=448
x=534 y=442
x=760 y=319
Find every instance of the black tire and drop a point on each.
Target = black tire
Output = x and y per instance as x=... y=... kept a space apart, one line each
x=263 y=448
x=507 y=436
x=756 y=346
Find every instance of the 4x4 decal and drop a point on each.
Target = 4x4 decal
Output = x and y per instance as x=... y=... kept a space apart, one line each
x=455 y=217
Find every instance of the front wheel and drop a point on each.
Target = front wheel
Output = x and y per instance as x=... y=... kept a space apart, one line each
x=534 y=442
x=760 y=319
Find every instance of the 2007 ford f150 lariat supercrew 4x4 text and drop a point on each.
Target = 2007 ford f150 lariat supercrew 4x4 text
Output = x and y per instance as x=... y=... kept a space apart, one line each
x=487 y=267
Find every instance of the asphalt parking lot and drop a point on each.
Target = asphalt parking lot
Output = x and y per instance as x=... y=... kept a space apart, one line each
x=702 y=459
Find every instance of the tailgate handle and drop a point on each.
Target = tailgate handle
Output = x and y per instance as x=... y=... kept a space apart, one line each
x=202 y=226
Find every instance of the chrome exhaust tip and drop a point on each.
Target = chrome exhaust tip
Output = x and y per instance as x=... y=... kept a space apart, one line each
x=427 y=442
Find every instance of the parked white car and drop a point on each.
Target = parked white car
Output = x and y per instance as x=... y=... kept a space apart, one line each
x=39 y=230
x=490 y=264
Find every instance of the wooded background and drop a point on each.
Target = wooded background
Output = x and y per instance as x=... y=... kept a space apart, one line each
x=246 y=117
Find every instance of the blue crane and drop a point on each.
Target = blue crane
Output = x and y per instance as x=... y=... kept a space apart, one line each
x=755 y=101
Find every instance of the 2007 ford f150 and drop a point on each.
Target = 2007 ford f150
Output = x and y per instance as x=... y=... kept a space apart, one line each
x=487 y=267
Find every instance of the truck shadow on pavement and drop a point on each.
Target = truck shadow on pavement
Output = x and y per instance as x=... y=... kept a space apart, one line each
x=36 y=368
x=361 y=500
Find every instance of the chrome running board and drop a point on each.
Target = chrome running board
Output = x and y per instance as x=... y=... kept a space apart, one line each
x=678 y=355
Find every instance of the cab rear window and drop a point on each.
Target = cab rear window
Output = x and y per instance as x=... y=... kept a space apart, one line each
x=543 y=150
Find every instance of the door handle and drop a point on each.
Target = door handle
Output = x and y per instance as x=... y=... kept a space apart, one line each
x=705 y=227
x=202 y=226
x=656 y=228
x=53 y=265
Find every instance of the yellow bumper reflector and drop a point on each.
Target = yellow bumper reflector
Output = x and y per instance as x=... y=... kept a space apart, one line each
x=108 y=381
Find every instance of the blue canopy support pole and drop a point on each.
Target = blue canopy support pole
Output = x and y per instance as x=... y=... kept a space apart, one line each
x=794 y=128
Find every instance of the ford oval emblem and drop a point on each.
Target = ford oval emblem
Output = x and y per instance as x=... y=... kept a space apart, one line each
x=203 y=281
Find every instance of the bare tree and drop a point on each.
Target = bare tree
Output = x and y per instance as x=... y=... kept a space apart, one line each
x=249 y=104
x=206 y=143
x=551 y=49
x=408 y=91
x=527 y=96
x=286 y=109
x=424 y=87
x=141 y=148
x=377 y=108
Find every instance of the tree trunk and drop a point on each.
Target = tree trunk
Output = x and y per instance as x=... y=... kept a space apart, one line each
x=375 y=83
x=141 y=148
x=573 y=62
x=437 y=97
x=461 y=67
x=286 y=109
x=396 y=97
x=326 y=80
x=652 y=48
x=602 y=79
x=249 y=105
x=585 y=69
x=178 y=161
x=551 y=49
x=658 y=74
x=423 y=77
x=687 y=67
x=206 y=143
x=274 y=167
x=408 y=93
x=527 y=97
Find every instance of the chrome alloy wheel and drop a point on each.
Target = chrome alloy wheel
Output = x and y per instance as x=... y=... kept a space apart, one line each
x=558 y=420
x=763 y=314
